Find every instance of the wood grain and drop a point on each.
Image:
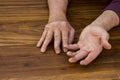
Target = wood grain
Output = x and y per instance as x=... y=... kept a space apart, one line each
x=21 y=25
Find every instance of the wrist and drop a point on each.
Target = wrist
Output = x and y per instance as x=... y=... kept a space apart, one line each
x=99 y=24
x=52 y=19
x=57 y=17
x=107 y=20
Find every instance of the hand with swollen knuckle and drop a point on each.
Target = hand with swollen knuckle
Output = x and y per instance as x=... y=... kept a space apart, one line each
x=57 y=29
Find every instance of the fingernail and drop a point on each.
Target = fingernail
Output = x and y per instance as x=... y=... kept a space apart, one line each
x=42 y=50
x=37 y=45
x=57 y=52
x=71 y=60
x=68 y=53
x=65 y=50
x=83 y=63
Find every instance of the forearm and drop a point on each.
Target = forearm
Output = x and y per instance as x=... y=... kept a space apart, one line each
x=57 y=10
x=108 y=19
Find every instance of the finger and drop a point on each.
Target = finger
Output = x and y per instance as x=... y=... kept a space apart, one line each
x=57 y=40
x=79 y=55
x=71 y=54
x=71 y=35
x=42 y=38
x=47 y=41
x=73 y=47
x=65 y=39
x=89 y=58
x=105 y=43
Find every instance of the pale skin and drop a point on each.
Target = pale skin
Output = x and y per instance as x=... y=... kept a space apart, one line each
x=58 y=27
x=92 y=40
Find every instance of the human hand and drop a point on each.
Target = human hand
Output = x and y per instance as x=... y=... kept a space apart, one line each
x=61 y=30
x=91 y=42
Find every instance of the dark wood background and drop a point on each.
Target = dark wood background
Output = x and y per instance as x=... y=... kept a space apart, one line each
x=21 y=25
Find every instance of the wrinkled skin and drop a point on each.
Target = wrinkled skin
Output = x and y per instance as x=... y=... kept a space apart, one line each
x=62 y=31
x=90 y=44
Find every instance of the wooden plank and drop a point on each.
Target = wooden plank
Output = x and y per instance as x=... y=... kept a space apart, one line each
x=21 y=25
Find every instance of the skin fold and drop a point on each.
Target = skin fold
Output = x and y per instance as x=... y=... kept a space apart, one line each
x=92 y=39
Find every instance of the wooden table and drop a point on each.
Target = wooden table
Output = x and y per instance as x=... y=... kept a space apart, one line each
x=21 y=25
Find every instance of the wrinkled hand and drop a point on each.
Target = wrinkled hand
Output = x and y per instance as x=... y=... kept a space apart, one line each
x=90 y=44
x=61 y=31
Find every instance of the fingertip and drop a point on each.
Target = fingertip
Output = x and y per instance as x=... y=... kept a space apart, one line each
x=83 y=62
x=69 y=53
x=43 y=50
x=110 y=46
x=37 y=45
x=57 y=49
x=107 y=45
x=71 y=60
x=65 y=50
x=58 y=52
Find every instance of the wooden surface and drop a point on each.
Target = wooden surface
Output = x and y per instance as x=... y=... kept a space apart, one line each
x=21 y=25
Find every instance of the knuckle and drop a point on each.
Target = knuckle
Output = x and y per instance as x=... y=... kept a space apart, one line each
x=56 y=36
x=53 y=26
x=77 y=58
x=92 y=49
x=46 y=40
x=48 y=37
x=47 y=25
x=108 y=36
x=42 y=37
x=56 y=47
x=65 y=39
x=64 y=26
x=65 y=30
x=64 y=46
x=64 y=23
x=47 y=28
x=73 y=30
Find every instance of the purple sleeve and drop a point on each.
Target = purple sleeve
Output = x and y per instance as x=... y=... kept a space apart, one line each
x=115 y=6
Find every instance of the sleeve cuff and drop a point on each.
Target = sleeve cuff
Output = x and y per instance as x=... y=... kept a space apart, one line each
x=114 y=6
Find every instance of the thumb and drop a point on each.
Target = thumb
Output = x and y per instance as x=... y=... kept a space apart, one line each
x=105 y=43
